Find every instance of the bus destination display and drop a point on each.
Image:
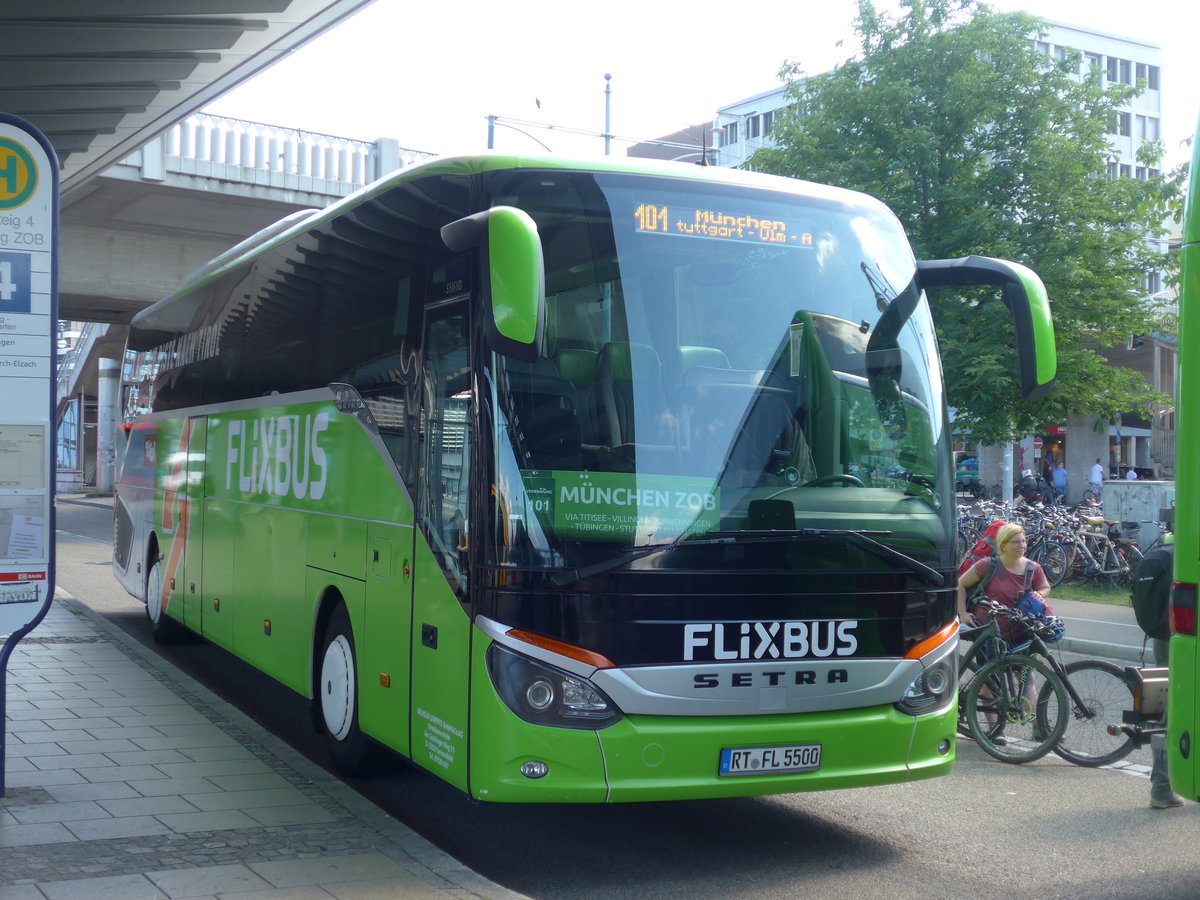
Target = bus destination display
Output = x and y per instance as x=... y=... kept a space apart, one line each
x=717 y=224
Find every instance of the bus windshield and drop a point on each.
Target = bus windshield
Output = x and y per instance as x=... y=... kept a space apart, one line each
x=717 y=361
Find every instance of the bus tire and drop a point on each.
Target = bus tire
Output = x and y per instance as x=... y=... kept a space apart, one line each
x=336 y=702
x=164 y=629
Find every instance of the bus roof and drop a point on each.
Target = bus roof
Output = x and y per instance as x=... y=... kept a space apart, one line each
x=297 y=223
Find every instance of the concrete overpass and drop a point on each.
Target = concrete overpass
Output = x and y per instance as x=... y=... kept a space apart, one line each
x=131 y=235
x=102 y=79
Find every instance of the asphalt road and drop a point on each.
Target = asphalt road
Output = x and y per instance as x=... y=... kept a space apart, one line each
x=1045 y=830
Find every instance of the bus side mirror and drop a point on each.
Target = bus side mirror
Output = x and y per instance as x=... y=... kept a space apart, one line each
x=514 y=301
x=1023 y=294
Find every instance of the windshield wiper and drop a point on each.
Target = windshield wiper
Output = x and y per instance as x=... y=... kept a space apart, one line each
x=630 y=554
x=863 y=539
x=860 y=538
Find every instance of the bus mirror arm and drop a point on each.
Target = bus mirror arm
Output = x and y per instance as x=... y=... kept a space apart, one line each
x=1024 y=295
x=513 y=277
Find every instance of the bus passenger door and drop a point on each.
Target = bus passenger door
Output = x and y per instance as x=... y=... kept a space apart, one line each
x=191 y=489
x=441 y=625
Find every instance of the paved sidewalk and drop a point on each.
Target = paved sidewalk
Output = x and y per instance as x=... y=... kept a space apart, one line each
x=126 y=779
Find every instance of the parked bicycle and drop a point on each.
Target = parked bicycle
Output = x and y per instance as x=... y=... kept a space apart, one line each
x=999 y=695
x=1089 y=696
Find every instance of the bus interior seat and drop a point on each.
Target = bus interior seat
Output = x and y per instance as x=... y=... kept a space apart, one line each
x=770 y=435
x=532 y=385
x=545 y=407
x=554 y=442
x=631 y=407
x=578 y=366
x=690 y=357
x=616 y=367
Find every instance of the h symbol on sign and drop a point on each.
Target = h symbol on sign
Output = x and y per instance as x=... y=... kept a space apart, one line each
x=8 y=172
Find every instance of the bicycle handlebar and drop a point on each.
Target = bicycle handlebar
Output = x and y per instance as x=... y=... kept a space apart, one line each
x=1043 y=626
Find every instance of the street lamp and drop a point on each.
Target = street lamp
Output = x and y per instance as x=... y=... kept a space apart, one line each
x=607 y=114
x=493 y=121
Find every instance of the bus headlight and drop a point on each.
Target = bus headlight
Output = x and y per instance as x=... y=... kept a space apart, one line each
x=545 y=695
x=933 y=689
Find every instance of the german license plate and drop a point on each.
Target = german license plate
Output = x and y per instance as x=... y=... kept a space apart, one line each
x=770 y=760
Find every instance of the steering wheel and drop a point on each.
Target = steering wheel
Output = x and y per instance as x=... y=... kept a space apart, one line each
x=849 y=480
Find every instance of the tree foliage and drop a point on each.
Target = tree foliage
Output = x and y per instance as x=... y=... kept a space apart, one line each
x=983 y=145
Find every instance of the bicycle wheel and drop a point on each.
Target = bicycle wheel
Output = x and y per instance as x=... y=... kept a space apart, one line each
x=1054 y=561
x=1105 y=693
x=1003 y=712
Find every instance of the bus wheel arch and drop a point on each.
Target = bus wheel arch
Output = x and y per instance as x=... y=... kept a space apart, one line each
x=164 y=629
x=335 y=703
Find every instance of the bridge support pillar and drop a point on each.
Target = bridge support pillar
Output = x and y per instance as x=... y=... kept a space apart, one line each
x=107 y=402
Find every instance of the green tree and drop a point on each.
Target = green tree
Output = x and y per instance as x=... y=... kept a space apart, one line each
x=982 y=145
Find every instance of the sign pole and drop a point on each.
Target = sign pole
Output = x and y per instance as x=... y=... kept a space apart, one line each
x=29 y=234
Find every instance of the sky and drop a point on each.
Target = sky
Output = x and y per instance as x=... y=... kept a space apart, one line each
x=428 y=75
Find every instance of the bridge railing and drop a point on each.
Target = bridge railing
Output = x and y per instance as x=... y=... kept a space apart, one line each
x=239 y=151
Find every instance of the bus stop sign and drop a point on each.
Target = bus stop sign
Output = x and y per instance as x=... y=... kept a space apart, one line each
x=28 y=383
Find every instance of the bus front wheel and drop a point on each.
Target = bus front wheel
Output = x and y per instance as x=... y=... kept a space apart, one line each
x=337 y=700
x=164 y=629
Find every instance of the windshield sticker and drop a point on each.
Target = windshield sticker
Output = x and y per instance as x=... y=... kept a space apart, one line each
x=621 y=506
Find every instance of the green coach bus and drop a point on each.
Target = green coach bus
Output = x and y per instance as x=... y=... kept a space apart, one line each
x=570 y=481
x=1183 y=713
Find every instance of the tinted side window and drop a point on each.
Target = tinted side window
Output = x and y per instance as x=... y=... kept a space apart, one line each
x=341 y=303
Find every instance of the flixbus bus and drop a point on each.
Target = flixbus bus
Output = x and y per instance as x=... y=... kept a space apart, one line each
x=1183 y=698
x=569 y=481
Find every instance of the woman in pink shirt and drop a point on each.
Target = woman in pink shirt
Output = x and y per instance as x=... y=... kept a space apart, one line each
x=1007 y=584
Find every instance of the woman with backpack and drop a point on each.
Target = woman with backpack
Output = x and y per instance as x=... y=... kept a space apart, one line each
x=1005 y=578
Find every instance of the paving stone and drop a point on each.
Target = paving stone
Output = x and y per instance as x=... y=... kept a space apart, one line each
x=91 y=745
x=104 y=790
x=30 y=892
x=216 y=769
x=72 y=761
x=155 y=758
x=130 y=886
x=357 y=867
x=284 y=796
x=29 y=751
x=254 y=781
x=59 y=812
x=206 y=821
x=300 y=893
x=185 y=786
x=50 y=735
x=33 y=777
x=299 y=814
x=113 y=772
x=147 y=806
x=106 y=829
x=207 y=880
x=212 y=738
x=214 y=754
x=391 y=889
x=42 y=833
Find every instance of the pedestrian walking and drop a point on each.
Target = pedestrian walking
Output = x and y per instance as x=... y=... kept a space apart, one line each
x=1096 y=480
x=1061 y=482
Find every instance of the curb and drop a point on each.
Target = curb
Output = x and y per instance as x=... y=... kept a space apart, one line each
x=1125 y=652
x=424 y=859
